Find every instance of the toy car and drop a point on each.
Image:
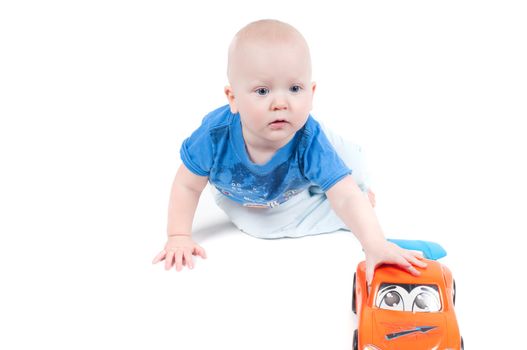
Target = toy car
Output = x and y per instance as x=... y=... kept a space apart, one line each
x=402 y=311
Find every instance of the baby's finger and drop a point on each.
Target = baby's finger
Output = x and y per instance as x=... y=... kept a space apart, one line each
x=159 y=257
x=402 y=262
x=417 y=253
x=416 y=261
x=169 y=258
x=413 y=271
x=199 y=251
x=187 y=257
x=406 y=265
x=179 y=260
x=370 y=270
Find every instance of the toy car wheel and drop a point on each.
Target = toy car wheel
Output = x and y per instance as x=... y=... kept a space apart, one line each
x=454 y=292
x=353 y=297
x=462 y=345
x=355 y=340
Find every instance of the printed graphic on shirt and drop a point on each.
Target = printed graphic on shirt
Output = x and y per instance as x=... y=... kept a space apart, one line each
x=259 y=191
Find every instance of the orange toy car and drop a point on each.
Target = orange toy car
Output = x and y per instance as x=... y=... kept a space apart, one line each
x=401 y=311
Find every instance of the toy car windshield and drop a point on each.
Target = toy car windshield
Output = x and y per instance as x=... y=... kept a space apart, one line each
x=408 y=297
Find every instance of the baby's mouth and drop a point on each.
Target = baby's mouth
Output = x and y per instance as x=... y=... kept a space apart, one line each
x=278 y=124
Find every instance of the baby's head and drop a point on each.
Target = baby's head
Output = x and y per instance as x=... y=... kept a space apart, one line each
x=269 y=72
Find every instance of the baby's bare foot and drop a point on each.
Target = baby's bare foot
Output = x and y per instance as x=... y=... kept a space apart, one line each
x=371 y=197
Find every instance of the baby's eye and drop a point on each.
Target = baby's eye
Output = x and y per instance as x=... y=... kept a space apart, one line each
x=262 y=91
x=295 y=88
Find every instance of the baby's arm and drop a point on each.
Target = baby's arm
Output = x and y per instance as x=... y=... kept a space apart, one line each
x=184 y=198
x=352 y=206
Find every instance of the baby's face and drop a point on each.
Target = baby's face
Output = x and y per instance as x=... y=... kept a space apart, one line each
x=271 y=88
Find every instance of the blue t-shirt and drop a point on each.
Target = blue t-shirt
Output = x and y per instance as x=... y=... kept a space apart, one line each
x=217 y=150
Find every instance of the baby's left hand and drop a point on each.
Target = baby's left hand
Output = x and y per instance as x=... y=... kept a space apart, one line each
x=389 y=253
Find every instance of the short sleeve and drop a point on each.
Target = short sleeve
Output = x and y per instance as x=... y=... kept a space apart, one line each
x=321 y=163
x=197 y=150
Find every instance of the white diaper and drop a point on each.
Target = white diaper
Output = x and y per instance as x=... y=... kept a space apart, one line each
x=307 y=213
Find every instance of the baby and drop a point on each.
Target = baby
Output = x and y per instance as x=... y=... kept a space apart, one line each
x=275 y=171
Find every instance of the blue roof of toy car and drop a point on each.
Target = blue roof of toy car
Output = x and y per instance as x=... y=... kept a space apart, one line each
x=431 y=250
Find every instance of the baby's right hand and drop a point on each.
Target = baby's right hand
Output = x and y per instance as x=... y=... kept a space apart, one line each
x=178 y=251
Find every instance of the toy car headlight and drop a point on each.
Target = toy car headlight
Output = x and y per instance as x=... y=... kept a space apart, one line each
x=370 y=347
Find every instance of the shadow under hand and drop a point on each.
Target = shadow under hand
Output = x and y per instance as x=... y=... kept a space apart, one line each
x=214 y=229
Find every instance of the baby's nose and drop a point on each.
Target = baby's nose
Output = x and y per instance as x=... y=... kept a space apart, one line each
x=279 y=107
x=279 y=103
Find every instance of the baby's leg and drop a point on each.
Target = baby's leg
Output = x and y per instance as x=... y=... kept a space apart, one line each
x=304 y=214
x=371 y=197
x=354 y=157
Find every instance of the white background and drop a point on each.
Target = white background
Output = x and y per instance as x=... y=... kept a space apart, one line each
x=97 y=96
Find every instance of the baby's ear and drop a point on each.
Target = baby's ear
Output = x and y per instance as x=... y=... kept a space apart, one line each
x=230 y=97
x=313 y=88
